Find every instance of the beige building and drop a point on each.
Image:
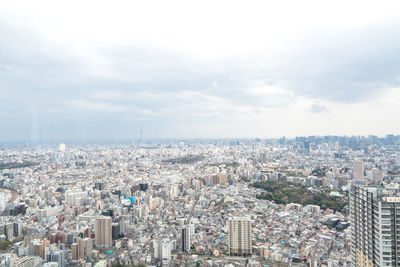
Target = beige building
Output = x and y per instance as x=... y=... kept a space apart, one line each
x=74 y=251
x=222 y=179
x=102 y=229
x=239 y=236
x=84 y=248
x=358 y=170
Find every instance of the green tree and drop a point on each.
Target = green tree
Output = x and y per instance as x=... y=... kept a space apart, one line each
x=4 y=245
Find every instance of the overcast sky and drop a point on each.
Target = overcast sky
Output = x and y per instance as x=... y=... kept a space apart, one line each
x=186 y=69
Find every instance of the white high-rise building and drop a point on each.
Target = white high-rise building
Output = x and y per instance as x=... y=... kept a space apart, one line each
x=239 y=236
x=75 y=198
x=61 y=147
x=173 y=191
x=162 y=249
x=3 y=201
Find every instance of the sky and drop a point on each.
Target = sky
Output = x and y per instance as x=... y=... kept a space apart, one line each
x=198 y=69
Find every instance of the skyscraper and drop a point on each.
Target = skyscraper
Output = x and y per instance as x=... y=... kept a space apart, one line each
x=102 y=229
x=239 y=236
x=114 y=231
x=375 y=218
x=18 y=228
x=187 y=232
x=307 y=148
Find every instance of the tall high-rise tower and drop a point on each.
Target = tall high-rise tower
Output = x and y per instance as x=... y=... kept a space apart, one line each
x=375 y=227
x=307 y=148
x=102 y=229
x=239 y=236
x=186 y=235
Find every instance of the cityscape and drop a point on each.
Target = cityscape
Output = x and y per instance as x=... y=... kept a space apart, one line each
x=205 y=133
x=201 y=202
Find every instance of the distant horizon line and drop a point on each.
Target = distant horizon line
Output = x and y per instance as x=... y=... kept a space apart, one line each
x=138 y=139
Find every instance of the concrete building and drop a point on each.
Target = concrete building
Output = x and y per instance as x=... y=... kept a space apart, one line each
x=57 y=256
x=84 y=248
x=74 y=251
x=358 y=170
x=374 y=224
x=239 y=236
x=186 y=237
x=102 y=229
x=162 y=249
x=9 y=231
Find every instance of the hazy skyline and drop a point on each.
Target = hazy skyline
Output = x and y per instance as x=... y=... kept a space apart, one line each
x=180 y=69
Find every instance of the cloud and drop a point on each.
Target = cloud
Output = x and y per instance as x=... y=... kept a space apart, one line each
x=315 y=108
x=220 y=79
